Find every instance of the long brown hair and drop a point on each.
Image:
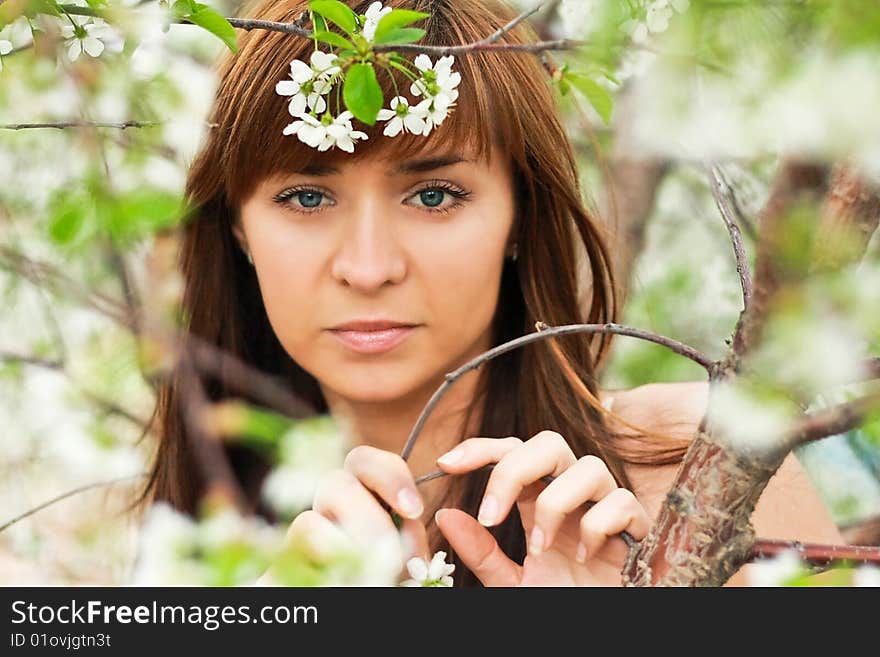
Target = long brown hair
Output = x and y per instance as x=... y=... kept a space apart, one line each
x=505 y=101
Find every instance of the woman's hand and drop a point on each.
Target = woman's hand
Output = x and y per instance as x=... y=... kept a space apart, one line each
x=346 y=508
x=567 y=545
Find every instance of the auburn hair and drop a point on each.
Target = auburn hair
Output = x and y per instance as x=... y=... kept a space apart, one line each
x=506 y=102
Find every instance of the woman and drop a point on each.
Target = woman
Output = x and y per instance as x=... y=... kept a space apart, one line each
x=363 y=278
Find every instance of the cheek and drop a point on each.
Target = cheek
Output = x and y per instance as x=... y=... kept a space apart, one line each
x=464 y=283
x=288 y=283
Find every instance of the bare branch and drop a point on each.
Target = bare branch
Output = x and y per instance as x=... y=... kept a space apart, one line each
x=31 y=360
x=830 y=422
x=542 y=334
x=70 y=493
x=60 y=125
x=742 y=261
x=851 y=213
x=794 y=180
x=816 y=554
x=210 y=458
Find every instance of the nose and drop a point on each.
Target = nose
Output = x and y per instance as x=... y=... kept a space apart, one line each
x=369 y=255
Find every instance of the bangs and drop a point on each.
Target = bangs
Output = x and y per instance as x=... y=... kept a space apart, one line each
x=250 y=116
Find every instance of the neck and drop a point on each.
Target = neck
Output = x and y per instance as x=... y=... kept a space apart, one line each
x=386 y=425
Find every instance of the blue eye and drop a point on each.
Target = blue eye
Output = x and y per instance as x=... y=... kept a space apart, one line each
x=310 y=199
x=432 y=197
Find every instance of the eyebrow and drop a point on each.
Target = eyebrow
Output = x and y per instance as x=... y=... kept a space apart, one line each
x=410 y=166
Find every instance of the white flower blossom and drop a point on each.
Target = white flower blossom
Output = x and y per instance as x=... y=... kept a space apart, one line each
x=91 y=35
x=307 y=452
x=776 y=571
x=437 y=79
x=435 y=573
x=309 y=83
x=375 y=12
x=401 y=116
x=316 y=133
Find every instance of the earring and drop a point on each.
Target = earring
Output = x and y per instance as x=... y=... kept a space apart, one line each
x=250 y=258
x=515 y=254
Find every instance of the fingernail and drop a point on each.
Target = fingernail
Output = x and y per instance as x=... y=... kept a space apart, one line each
x=450 y=457
x=581 y=554
x=488 y=511
x=536 y=541
x=437 y=515
x=409 y=503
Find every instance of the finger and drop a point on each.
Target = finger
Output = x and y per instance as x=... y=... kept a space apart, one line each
x=477 y=548
x=616 y=512
x=474 y=453
x=545 y=453
x=342 y=498
x=316 y=536
x=588 y=479
x=389 y=476
x=414 y=537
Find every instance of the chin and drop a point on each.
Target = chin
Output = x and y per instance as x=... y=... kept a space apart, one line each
x=373 y=386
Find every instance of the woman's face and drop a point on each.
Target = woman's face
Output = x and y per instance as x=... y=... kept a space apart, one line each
x=420 y=242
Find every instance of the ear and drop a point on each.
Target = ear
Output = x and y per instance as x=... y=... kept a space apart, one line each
x=238 y=233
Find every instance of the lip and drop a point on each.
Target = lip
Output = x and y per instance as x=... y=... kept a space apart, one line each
x=373 y=342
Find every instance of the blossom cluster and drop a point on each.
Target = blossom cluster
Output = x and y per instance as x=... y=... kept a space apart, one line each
x=433 y=87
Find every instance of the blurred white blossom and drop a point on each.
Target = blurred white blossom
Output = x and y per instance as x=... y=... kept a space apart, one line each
x=747 y=421
x=308 y=451
x=866 y=575
x=776 y=571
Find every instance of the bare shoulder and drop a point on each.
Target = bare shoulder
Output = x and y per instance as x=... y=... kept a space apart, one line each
x=674 y=408
x=790 y=508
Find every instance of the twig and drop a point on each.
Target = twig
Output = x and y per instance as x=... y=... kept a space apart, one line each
x=674 y=345
x=79 y=124
x=830 y=422
x=207 y=447
x=69 y=493
x=296 y=29
x=742 y=262
x=816 y=554
x=31 y=360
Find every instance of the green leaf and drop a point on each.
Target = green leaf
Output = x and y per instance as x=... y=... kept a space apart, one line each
x=396 y=19
x=67 y=222
x=595 y=93
x=217 y=25
x=402 y=35
x=335 y=11
x=362 y=93
x=333 y=39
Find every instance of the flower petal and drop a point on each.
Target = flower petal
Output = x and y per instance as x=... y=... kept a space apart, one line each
x=393 y=128
x=287 y=88
x=417 y=568
x=423 y=62
x=74 y=50
x=93 y=46
x=300 y=71
x=297 y=105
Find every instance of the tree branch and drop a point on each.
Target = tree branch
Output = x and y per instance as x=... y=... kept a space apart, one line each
x=817 y=555
x=542 y=334
x=60 y=125
x=742 y=261
x=830 y=422
x=794 y=181
x=70 y=493
x=210 y=458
